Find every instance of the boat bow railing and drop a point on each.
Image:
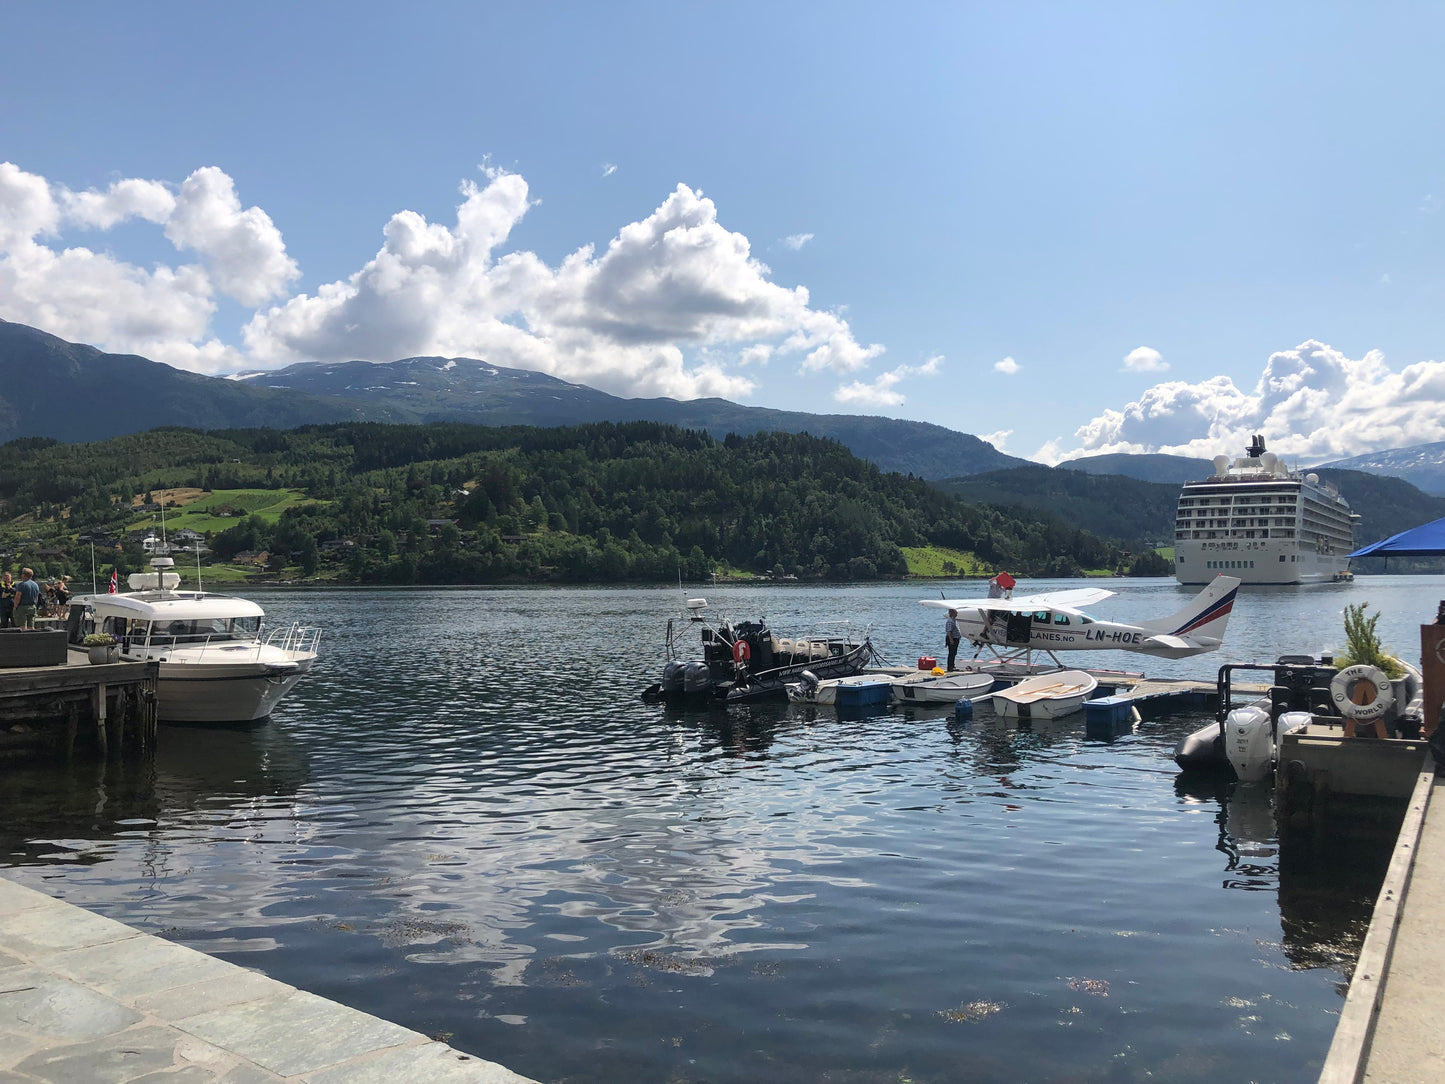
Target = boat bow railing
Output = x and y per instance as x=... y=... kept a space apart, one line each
x=296 y=637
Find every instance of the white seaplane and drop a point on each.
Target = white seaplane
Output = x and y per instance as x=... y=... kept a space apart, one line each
x=1054 y=621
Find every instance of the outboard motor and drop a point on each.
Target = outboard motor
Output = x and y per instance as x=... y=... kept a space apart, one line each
x=810 y=682
x=696 y=678
x=1247 y=743
x=672 y=676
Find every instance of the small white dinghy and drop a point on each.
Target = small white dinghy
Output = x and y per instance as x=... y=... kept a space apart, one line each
x=937 y=687
x=1047 y=696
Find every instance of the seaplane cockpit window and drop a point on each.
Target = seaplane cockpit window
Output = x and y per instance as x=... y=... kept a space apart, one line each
x=1041 y=617
x=1061 y=619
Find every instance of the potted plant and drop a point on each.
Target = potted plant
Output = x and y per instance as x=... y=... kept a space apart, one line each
x=101 y=647
x=1363 y=648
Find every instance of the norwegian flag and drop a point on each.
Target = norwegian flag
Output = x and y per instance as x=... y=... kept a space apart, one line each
x=113 y=584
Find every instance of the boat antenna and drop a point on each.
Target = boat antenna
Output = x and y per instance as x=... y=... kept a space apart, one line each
x=198 y=566
x=94 y=590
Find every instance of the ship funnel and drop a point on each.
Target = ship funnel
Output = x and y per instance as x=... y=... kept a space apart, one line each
x=1221 y=464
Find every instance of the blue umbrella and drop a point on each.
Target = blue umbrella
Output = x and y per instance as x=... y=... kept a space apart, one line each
x=1427 y=540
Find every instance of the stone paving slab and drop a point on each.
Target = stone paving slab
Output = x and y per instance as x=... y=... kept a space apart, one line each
x=85 y=998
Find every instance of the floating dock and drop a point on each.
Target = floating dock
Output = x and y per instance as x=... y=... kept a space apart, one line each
x=86 y=998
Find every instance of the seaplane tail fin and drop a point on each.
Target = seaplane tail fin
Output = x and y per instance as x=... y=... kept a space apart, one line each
x=1202 y=622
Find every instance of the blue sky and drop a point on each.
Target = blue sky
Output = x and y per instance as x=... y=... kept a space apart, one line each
x=989 y=207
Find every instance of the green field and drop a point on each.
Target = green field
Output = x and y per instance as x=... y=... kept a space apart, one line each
x=939 y=562
x=201 y=515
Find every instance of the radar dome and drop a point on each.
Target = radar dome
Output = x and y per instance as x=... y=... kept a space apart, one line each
x=1268 y=461
x=1312 y=479
x=1221 y=464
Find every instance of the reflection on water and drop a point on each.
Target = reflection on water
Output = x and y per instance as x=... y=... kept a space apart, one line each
x=466 y=821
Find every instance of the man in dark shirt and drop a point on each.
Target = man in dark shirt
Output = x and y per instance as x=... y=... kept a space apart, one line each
x=27 y=598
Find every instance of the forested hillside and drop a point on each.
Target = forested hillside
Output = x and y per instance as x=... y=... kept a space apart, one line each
x=452 y=503
x=1112 y=505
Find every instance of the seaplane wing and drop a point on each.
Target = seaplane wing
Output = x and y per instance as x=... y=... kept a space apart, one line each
x=1070 y=601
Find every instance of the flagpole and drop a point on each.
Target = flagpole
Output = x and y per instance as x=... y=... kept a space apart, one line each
x=94 y=590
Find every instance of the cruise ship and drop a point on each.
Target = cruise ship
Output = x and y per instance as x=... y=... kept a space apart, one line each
x=1256 y=519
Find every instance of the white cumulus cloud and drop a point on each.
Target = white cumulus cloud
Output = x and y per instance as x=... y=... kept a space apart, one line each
x=1007 y=366
x=881 y=392
x=998 y=439
x=1312 y=403
x=674 y=305
x=162 y=312
x=1144 y=359
x=642 y=317
x=242 y=248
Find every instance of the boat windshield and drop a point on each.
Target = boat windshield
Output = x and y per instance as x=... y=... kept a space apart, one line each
x=204 y=630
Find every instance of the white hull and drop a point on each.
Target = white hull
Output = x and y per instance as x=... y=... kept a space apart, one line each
x=1048 y=696
x=1256 y=562
x=923 y=687
x=224 y=692
x=214 y=694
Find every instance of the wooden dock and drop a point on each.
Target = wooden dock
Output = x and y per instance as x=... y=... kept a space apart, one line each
x=77 y=709
x=1389 y=1029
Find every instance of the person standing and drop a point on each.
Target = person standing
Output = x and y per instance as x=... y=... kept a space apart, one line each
x=27 y=598
x=7 y=600
x=951 y=636
x=62 y=596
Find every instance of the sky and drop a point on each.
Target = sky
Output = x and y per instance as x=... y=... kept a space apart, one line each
x=1069 y=229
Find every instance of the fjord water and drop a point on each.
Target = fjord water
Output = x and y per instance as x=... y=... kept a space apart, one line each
x=467 y=822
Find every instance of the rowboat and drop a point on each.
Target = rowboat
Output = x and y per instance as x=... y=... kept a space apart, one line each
x=1046 y=696
x=927 y=687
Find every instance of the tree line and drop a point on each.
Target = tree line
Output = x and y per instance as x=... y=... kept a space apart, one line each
x=450 y=503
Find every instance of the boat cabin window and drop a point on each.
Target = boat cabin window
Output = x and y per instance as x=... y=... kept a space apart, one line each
x=203 y=630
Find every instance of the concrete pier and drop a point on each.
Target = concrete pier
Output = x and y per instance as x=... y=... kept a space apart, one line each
x=87 y=999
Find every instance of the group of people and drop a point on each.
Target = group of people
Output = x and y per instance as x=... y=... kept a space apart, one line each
x=21 y=603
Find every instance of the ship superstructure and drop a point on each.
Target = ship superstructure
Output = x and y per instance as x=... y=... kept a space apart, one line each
x=1256 y=519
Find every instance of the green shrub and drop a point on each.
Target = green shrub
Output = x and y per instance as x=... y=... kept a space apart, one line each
x=1362 y=643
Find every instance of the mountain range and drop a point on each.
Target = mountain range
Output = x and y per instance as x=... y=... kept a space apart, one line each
x=53 y=388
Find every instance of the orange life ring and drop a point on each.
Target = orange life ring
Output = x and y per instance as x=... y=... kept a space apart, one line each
x=741 y=651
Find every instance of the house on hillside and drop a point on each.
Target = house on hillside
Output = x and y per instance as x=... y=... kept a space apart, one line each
x=252 y=557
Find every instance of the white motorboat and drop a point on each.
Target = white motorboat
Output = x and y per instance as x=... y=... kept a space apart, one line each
x=1046 y=696
x=928 y=687
x=217 y=661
